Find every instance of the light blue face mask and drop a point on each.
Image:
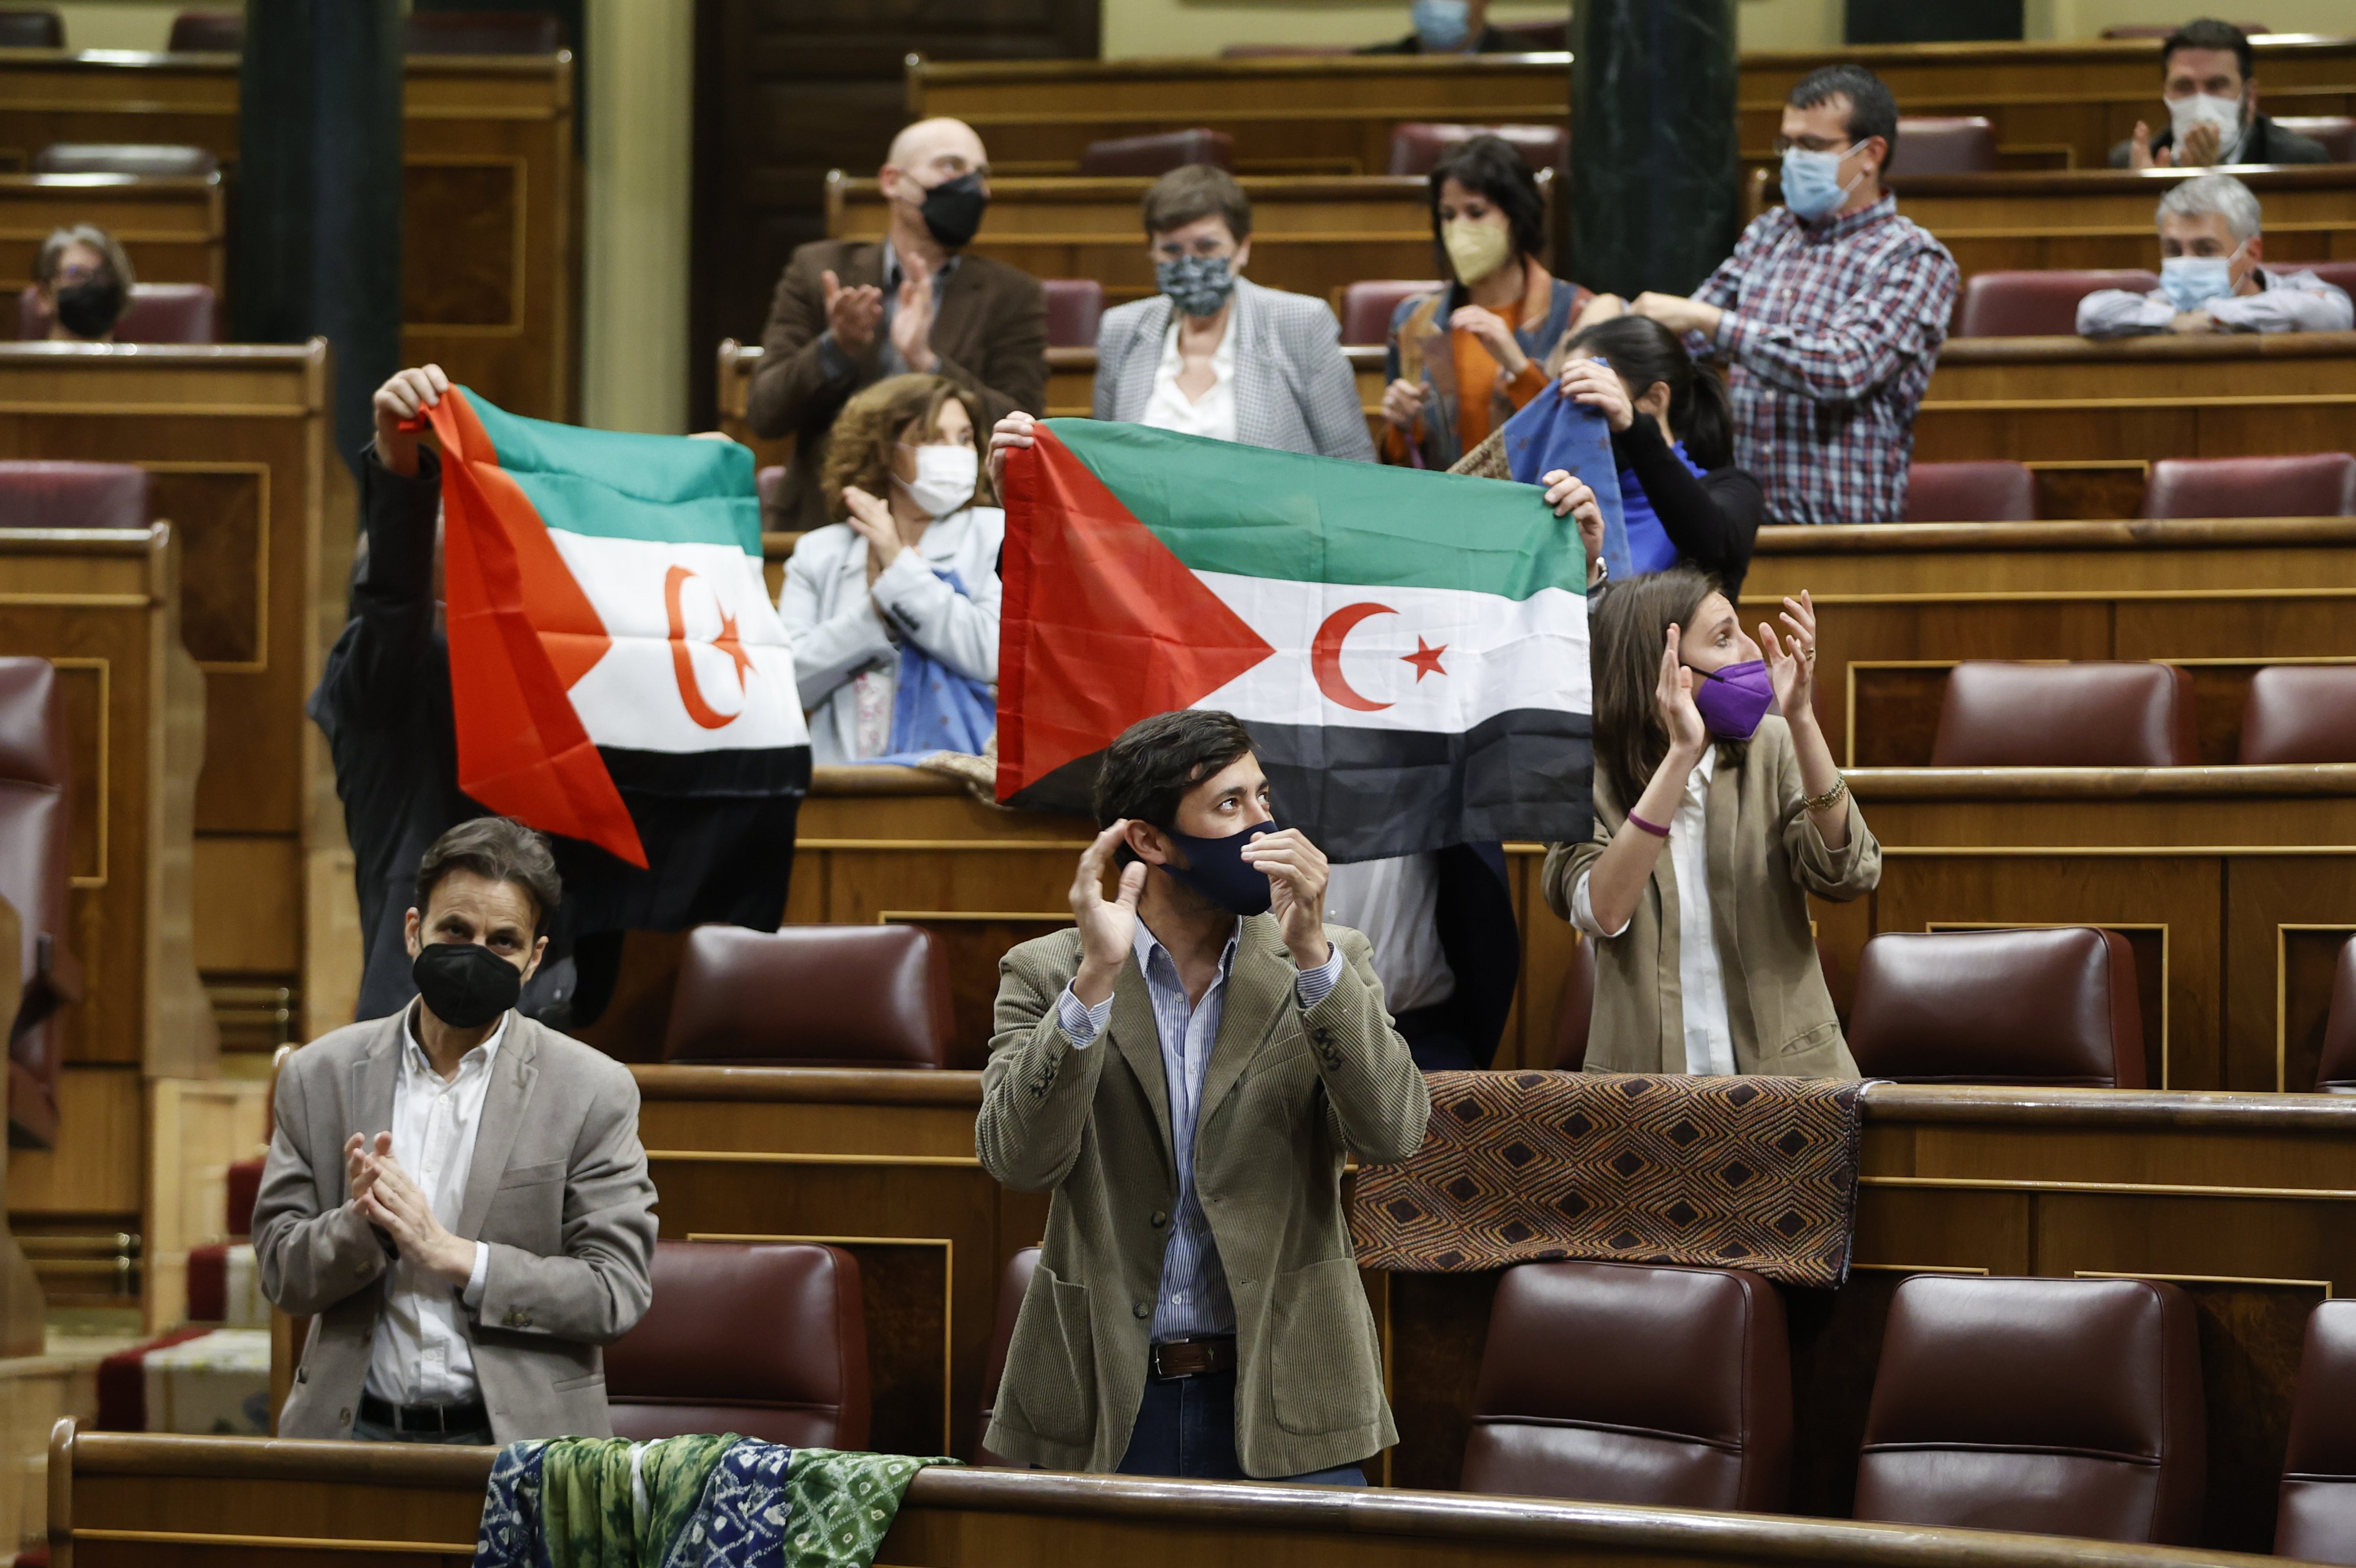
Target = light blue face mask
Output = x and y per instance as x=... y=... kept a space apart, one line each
x=1812 y=185
x=2192 y=282
x=1442 y=24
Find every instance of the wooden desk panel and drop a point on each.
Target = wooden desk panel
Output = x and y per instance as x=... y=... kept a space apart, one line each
x=2271 y=364
x=173 y=228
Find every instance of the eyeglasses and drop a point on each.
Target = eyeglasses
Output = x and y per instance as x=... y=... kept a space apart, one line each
x=80 y=273
x=1813 y=145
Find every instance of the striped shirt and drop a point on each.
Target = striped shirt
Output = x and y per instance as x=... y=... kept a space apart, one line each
x=1193 y=1300
x=1833 y=331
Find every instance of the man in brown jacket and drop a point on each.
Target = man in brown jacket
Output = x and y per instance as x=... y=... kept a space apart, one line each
x=1186 y=1071
x=850 y=312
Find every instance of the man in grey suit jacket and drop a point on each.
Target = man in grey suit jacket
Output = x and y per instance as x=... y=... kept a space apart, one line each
x=455 y=1195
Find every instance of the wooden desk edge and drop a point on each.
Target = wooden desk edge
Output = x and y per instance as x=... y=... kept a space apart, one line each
x=2139 y=350
x=2324 y=778
x=2137 y=533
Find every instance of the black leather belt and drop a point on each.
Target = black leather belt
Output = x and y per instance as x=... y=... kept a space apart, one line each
x=1179 y=1358
x=425 y=1418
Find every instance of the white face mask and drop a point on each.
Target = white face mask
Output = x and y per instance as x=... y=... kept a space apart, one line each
x=2225 y=114
x=945 y=477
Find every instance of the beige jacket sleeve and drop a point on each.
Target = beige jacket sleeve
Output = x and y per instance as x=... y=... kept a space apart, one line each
x=1377 y=1105
x=311 y=1255
x=1836 y=874
x=1037 y=1086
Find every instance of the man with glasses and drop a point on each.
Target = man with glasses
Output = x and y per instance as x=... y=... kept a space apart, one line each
x=1831 y=314
x=2213 y=103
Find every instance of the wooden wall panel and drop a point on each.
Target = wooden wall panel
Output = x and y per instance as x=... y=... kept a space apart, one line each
x=173 y=228
x=96 y=1167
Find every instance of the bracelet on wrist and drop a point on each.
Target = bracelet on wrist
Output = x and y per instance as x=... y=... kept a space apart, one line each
x=1654 y=829
x=1829 y=798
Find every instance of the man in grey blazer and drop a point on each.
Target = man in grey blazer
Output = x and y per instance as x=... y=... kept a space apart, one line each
x=455 y=1195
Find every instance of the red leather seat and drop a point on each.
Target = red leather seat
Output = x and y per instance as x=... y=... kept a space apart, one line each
x=2314 y=484
x=1971 y=492
x=771 y=483
x=2336 y=131
x=42 y=494
x=869 y=996
x=1075 y=305
x=2315 y=1521
x=2037 y=304
x=1418 y=145
x=1367 y=308
x=208 y=32
x=158 y=313
x=1158 y=154
x=153 y=160
x=36 y=876
x=2096 y=715
x=2060 y=1407
x=2336 y=1073
x=2340 y=274
x=2300 y=713
x=2056 y=1008
x=1539 y=38
x=1575 y=1012
x=1012 y=1284
x=763 y=1338
x=1944 y=143
x=1679 y=1395
x=31 y=29
x=483 y=32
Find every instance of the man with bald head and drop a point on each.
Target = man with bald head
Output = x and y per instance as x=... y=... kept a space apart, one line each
x=850 y=312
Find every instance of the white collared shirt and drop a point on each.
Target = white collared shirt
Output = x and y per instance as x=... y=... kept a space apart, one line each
x=1709 y=1035
x=1395 y=903
x=1214 y=414
x=421 y=1354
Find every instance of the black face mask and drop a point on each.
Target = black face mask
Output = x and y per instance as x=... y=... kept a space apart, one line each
x=466 y=984
x=1216 y=869
x=89 y=309
x=952 y=209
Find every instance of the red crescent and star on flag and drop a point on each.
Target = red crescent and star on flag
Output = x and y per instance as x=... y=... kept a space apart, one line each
x=1326 y=656
x=682 y=663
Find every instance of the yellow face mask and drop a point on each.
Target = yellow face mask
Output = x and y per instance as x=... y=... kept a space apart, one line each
x=1476 y=249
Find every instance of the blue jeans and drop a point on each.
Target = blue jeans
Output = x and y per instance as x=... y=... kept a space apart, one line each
x=1187 y=1428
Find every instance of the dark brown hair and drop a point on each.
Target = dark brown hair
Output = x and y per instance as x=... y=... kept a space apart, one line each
x=1630 y=628
x=1494 y=168
x=1193 y=191
x=1147 y=772
x=498 y=849
x=872 y=424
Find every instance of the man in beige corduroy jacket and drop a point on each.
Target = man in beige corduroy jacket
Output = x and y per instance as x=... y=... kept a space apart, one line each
x=1186 y=1071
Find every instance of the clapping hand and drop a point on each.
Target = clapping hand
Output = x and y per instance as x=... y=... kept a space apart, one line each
x=360 y=1161
x=1792 y=659
x=852 y=313
x=1296 y=873
x=395 y=1203
x=912 y=323
x=1672 y=696
x=871 y=519
x=1107 y=926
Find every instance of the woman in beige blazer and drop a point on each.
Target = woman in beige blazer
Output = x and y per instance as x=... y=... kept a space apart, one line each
x=1696 y=896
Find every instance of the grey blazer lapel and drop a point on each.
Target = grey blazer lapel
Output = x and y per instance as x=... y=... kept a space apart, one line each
x=1260 y=988
x=1141 y=359
x=504 y=1103
x=1139 y=1040
x=374 y=1076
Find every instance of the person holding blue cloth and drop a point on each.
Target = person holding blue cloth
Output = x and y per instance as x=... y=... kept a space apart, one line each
x=892 y=612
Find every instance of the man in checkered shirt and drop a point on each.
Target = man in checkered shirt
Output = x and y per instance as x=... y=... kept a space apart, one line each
x=1833 y=322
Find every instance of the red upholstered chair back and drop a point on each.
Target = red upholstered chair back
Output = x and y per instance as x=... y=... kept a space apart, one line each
x=2053 y=1008
x=74 y=495
x=218 y=32
x=771 y=483
x=2336 y=1073
x=2340 y=275
x=1680 y=1395
x=484 y=33
x=1971 y=492
x=1576 y=1011
x=1418 y=145
x=2098 y=715
x=2315 y=1521
x=153 y=160
x=2036 y=304
x=1539 y=38
x=1367 y=308
x=766 y=1338
x=244 y=1188
x=2059 y=1407
x=1011 y=1286
x=1158 y=154
x=1944 y=144
x=1075 y=305
x=31 y=29
x=2313 y=483
x=36 y=878
x=2336 y=131
x=158 y=313
x=2300 y=713
x=871 y=996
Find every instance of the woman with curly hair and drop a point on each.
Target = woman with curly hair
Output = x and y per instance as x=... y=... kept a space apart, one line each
x=892 y=612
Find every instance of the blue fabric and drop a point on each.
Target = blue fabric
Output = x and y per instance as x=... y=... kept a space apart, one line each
x=933 y=708
x=1187 y=1428
x=1555 y=431
x=1649 y=548
x=742 y=1519
x=509 y=1536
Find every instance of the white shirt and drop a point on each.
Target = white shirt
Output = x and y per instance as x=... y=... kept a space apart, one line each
x=1213 y=413
x=1396 y=902
x=421 y=1354
x=1710 y=1037
x=2286 y=302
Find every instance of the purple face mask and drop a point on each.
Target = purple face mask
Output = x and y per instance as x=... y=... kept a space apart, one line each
x=1733 y=700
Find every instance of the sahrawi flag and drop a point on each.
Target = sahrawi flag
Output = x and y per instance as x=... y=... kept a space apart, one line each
x=618 y=674
x=1408 y=648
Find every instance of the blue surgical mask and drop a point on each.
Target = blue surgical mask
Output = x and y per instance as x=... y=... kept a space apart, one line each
x=1811 y=183
x=1216 y=869
x=2192 y=282
x=1442 y=25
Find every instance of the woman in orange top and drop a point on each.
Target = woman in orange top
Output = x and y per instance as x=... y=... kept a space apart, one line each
x=1464 y=358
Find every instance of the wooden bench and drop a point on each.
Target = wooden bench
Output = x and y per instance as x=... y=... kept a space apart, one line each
x=492 y=250
x=1324 y=115
x=173 y=228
